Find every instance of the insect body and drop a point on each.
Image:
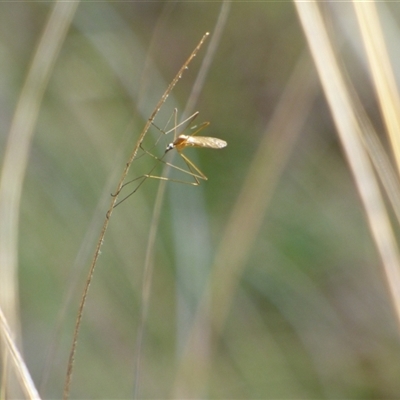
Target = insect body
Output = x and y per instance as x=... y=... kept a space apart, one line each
x=183 y=141
x=180 y=143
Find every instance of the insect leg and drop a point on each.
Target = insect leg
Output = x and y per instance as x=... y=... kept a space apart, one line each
x=194 y=171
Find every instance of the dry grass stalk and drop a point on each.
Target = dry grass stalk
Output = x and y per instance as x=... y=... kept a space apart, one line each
x=382 y=72
x=16 y=159
x=350 y=130
x=110 y=209
x=20 y=367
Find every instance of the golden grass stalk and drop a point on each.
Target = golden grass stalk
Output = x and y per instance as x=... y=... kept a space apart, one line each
x=17 y=153
x=20 y=368
x=382 y=72
x=350 y=133
x=386 y=172
x=110 y=209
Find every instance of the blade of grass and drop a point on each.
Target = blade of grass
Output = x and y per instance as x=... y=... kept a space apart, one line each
x=382 y=73
x=150 y=80
x=20 y=367
x=386 y=172
x=17 y=153
x=109 y=212
x=349 y=130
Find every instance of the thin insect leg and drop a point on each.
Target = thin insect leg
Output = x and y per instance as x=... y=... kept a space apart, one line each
x=188 y=119
x=200 y=174
x=176 y=125
x=163 y=131
x=130 y=194
x=173 y=115
x=148 y=174
x=160 y=136
x=126 y=183
x=152 y=147
x=119 y=191
x=156 y=142
x=164 y=178
x=169 y=120
x=200 y=128
x=143 y=177
x=146 y=151
x=194 y=171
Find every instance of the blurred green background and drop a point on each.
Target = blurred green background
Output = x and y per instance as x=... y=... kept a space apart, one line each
x=309 y=315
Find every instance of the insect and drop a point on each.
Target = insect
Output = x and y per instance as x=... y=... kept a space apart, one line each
x=180 y=143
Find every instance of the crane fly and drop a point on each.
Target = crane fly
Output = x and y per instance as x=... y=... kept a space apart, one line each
x=184 y=141
x=180 y=143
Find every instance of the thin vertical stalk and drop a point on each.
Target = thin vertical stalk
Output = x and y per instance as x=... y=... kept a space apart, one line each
x=109 y=212
x=382 y=72
x=17 y=154
x=350 y=134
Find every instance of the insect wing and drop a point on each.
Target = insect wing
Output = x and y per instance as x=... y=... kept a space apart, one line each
x=204 y=141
